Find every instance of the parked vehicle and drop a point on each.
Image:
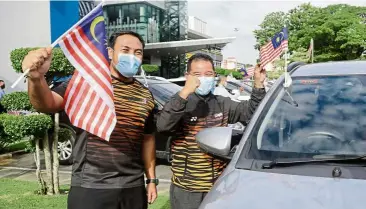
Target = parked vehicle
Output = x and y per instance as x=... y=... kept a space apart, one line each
x=234 y=87
x=305 y=146
x=181 y=81
x=162 y=91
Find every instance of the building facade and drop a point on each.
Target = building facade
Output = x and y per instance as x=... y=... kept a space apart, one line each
x=159 y=21
x=231 y=63
x=164 y=25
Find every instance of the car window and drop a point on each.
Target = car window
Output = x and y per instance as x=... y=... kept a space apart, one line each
x=162 y=92
x=330 y=119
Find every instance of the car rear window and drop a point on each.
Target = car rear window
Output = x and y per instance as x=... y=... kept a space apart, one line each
x=162 y=92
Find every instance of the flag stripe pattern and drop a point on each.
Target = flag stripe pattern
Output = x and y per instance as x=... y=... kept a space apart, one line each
x=250 y=71
x=274 y=48
x=89 y=95
x=268 y=53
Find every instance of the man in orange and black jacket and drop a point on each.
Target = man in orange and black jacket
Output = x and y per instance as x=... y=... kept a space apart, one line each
x=188 y=112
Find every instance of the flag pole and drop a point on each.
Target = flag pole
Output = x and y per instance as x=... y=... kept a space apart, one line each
x=25 y=73
x=286 y=73
x=312 y=50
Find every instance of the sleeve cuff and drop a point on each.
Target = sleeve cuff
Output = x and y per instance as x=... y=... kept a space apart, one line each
x=258 y=93
x=259 y=90
x=178 y=103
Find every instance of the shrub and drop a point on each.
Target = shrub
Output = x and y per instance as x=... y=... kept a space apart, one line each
x=220 y=71
x=237 y=75
x=60 y=65
x=150 y=68
x=16 y=101
x=15 y=127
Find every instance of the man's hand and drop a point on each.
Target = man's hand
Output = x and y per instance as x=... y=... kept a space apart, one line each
x=38 y=62
x=152 y=193
x=192 y=83
x=259 y=76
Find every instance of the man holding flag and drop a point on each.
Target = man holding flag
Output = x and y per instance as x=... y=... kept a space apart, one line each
x=114 y=109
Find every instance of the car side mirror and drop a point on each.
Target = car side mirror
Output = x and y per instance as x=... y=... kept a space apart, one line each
x=216 y=141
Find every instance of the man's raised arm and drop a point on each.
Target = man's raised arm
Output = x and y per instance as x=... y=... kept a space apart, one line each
x=41 y=97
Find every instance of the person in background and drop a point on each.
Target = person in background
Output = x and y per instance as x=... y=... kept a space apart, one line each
x=108 y=174
x=2 y=89
x=222 y=91
x=2 y=94
x=191 y=110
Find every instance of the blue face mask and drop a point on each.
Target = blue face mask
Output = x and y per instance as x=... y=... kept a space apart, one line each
x=127 y=65
x=206 y=86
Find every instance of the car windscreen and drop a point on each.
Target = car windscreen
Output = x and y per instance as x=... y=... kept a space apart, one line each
x=162 y=92
x=330 y=118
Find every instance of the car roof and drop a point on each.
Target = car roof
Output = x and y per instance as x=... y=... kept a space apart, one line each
x=331 y=68
x=177 y=79
x=153 y=81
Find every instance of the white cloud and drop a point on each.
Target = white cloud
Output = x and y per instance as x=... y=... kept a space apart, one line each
x=223 y=16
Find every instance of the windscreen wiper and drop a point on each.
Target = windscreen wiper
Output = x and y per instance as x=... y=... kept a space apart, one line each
x=316 y=159
x=293 y=102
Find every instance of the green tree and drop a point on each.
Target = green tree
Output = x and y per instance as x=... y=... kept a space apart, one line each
x=272 y=24
x=279 y=64
x=338 y=31
x=300 y=55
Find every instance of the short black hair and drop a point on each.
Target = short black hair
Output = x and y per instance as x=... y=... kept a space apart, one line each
x=114 y=36
x=200 y=56
x=2 y=86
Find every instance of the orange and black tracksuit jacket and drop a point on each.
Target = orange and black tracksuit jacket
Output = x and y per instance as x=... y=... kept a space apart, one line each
x=193 y=170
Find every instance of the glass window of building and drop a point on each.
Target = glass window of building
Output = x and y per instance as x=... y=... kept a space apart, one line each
x=142 y=18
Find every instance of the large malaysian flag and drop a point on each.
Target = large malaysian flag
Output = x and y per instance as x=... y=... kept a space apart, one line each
x=89 y=95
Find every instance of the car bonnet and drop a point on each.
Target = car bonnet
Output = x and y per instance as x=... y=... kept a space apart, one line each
x=260 y=190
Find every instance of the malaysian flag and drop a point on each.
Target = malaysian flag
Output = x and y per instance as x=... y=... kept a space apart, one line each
x=274 y=48
x=89 y=95
x=250 y=71
x=243 y=71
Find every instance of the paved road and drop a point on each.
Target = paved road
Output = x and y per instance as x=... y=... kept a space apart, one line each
x=22 y=167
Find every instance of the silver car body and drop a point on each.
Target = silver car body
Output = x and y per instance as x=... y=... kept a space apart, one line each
x=273 y=188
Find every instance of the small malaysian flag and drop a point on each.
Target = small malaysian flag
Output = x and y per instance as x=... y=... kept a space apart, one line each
x=89 y=95
x=250 y=71
x=274 y=48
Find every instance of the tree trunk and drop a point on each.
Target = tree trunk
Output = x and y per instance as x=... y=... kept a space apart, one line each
x=48 y=162
x=56 y=184
x=37 y=159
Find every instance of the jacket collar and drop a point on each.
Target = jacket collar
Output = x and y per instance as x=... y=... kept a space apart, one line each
x=202 y=98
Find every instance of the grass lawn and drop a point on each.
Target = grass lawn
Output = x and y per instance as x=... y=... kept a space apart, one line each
x=16 y=194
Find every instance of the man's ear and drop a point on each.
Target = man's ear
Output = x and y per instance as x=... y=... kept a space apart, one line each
x=110 y=53
x=186 y=74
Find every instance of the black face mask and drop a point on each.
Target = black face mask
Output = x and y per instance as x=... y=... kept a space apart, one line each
x=3 y=86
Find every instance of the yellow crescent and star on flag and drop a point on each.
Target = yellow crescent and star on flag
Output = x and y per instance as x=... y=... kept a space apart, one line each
x=94 y=23
x=280 y=37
